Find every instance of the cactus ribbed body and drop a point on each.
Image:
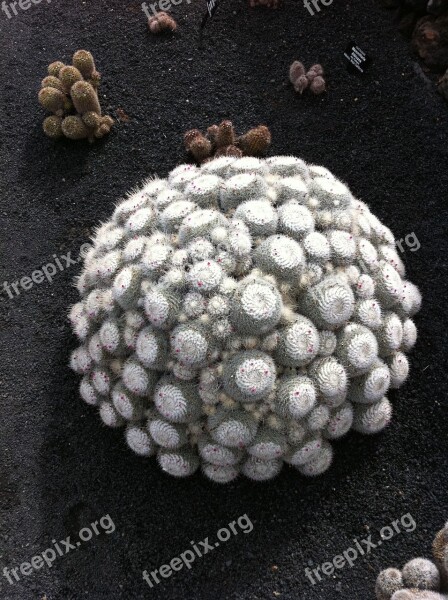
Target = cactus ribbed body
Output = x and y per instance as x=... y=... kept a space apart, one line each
x=242 y=314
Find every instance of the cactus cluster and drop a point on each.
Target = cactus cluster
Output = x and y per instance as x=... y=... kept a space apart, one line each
x=419 y=579
x=69 y=92
x=302 y=79
x=266 y=3
x=162 y=22
x=243 y=314
x=222 y=140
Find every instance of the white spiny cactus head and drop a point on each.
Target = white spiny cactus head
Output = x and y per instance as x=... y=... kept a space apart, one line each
x=216 y=454
x=422 y=574
x=319 y=463
x=388 y=582
x=261 y=470
x=220 y=474
x=242 y=314
x=138 y=440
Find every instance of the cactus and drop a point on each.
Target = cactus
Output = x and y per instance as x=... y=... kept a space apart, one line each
x=84 y=98
x=420 y=578
x=70 y=93
x=231 y=323
x=312 y=79
x=162 y=22
x=52 y=127
x=83 y=61
x=256 y=141
x=222 y=140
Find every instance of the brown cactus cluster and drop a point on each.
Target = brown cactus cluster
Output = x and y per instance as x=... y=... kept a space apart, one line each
x=425 y=23
x=69 y=92
x=302 y=79
x=222 y=140
x=162 y=22
x=266 y=3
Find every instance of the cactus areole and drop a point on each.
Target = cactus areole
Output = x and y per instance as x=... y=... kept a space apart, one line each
x=240 y=315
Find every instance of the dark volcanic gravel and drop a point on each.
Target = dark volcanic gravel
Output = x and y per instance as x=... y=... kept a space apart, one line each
x=60 y=469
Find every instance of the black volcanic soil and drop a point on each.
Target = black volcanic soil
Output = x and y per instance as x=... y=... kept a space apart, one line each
x=60 y=469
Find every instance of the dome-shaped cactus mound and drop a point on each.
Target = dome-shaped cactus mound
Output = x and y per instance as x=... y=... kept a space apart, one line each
x=242 y=314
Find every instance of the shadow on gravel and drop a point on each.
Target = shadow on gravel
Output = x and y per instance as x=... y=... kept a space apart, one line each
x=88 y=472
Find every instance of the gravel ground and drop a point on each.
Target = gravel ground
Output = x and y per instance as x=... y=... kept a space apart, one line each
x=60 y=469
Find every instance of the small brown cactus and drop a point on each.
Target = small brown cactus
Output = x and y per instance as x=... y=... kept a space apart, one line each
x=317 y=86
x=74 y=128
x=70 y=93
x=55 y=67
x=162 y=22
x=53 y=127
x=230 y=150
x=301 y=84
x=212 y=132
x=54 y=82
x=197 y=144
x=83 y=61
x=225 y=134
x=84 y=98
x=312 y=79
x=221 y=140
x=52 y=100
x=69 y=76
x=296 y=70
x=256 y=141
x=91 y=119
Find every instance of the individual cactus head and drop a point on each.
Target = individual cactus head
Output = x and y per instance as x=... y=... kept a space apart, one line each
x=421 y=574
x=74 y=128
x=225 y=134
x=240 y=315
x=256 y=141
x=91 y=119
x=317 y=86
x=53 y=127
x=296 y=70
x=52 y=100
x=317 y=69
x=69 y=76
x=85 y=98
x=53 y=82
x=230 y=150
x=83 y=61
x=197 y=144
x=54 y=68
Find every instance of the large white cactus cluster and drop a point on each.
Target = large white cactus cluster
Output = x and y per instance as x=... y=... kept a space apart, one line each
x=241 y=315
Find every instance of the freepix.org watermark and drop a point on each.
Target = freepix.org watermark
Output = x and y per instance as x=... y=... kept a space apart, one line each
x=46 y=272
x=360 y=548
x=9 y=8
x=316 y=4
x=199 y=549
x=58 y=549
x=161 y=5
